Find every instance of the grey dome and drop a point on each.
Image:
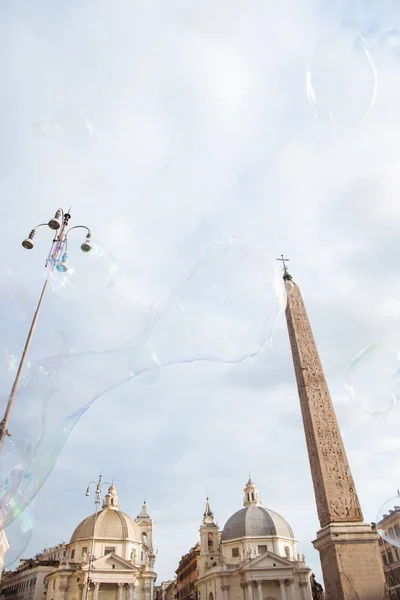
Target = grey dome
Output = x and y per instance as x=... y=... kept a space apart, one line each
x=256 y=521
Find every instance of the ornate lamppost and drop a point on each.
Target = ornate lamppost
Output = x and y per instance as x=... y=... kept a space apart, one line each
x=57 y=259
x=97 y=499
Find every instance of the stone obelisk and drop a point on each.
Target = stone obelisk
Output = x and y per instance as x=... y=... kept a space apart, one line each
x=351 y=563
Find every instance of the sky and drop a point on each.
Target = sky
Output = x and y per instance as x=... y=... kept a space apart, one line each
x=168 y=127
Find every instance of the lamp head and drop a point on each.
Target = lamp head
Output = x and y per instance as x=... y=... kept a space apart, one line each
x=28 y=243
x=87 y=244
x=87 y=491
x=55 y=222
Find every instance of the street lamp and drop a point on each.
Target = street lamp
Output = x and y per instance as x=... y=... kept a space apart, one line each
x=57 y=259
x=97 y=498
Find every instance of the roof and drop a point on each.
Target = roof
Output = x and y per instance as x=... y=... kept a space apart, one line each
x=111 y=524
x=256 y=521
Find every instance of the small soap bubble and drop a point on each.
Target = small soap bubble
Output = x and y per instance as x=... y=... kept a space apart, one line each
x=372 y=380
x=84 y=273
x=388 y=521
x=341 y=80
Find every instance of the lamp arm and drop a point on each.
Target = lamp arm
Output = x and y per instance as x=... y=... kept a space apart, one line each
x=78 y=227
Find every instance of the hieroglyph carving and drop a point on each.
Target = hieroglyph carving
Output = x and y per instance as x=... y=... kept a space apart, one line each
x=334 y=487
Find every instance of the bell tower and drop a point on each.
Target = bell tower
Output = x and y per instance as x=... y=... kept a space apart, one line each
x=209 y=539
x=348 y=547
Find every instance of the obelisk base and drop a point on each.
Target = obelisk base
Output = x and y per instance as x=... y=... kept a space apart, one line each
x=351 y=562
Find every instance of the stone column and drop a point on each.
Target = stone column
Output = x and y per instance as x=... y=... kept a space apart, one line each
x=225 y=589
x=120 y=591
x=83 y=592
x=292 y=591
x=250 y=590
x=130 y=593
x=304 y=586
x=96 y=591
x=283 y=589
x=259 y=590
x=242 y=585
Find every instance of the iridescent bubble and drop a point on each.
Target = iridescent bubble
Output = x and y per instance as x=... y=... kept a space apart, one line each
x=373 y=378
x=19 y=534
x=83 y=274
x=225 y=310
x=341 y=80
x=388 y=521
x=70 y=126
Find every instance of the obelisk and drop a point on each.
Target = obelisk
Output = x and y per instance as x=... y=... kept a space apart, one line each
x=351 y=564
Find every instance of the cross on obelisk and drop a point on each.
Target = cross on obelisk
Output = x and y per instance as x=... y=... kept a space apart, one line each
x=348 y=547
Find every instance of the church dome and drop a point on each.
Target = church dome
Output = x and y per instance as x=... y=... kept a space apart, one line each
x=254 y=520
x=111 y=524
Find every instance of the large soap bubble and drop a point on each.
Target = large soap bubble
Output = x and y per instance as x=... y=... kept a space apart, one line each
x=224 y=310
x=373 y=379
x=341 y=80
x=388 y=521
x=19 y=534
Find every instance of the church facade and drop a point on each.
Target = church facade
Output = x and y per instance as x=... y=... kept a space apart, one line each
x=108 y=558
x=253 y=558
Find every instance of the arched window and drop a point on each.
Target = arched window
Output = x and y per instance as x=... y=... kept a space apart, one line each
x=210 y=596
x=252 y=496
x=144 y=536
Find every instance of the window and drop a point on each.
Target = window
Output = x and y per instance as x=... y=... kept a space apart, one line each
x=144 y=536
x=109 y=549
x=84 y=551
x=396 y=553
x=287 y=551
x=72 y=554
x=113 y=566
x=391 y=532
x=397 y=530
x=235 y=552
x=78 y=578
x=390 y=557
x=262 y=549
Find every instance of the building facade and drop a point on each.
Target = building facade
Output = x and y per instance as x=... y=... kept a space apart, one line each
x=4 y=546
x=187 y=574
x=389 y=526
x=109 y=557
x=29 y=580
x=253 y=558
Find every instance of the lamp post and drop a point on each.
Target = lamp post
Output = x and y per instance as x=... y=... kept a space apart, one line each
x=57 y=259
x=97 y=498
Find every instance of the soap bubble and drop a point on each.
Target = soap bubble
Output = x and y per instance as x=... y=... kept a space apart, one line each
x=341 y=80
x=70 y=126
x=373 y=379
x=19 y=534
x=225 y=310
x=388 y=521
x=82 y=274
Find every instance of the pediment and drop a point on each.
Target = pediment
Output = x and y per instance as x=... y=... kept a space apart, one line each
x=105 y=563
x=268 y=560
